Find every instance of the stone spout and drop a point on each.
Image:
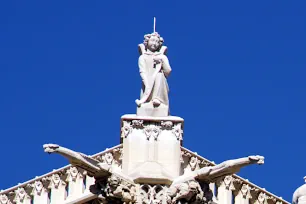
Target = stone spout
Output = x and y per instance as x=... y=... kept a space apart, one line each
x=92 y=166
x=212 y=173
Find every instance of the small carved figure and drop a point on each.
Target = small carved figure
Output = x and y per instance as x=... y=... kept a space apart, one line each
x=189 y=192
x=116 y=188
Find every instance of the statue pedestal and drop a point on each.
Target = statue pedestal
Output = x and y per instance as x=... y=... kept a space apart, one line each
x=151 y=148
x=148 y=109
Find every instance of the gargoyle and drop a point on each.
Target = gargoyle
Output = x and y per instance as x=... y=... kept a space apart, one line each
x=212 y=173
x=92 y=166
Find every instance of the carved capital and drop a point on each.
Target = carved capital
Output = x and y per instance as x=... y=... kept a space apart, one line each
x=149 y=194
x=178 y=132
x=245 y=191
x=4 y=199
x=126 y=129
x=55 y=181
x=152 y=131
x=262 y=198
x=107 y=158
x=73 y=173
x=38 y=187
x=21 y=195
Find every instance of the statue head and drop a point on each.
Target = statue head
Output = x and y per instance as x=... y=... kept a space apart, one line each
x=153 y=41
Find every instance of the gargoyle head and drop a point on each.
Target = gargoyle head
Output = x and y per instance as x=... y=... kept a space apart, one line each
x=257 y=159
x=50 y=148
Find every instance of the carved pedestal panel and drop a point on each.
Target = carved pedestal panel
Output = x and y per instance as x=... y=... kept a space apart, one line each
x=151 y=148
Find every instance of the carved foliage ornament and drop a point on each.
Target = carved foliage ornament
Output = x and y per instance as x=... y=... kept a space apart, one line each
x=245 y=191
x=55 y=181
x=4 y=199
x=126 y=129
x=167 y=125
x=262 y=197
x=151 y=194
x=38 y=187
x=152 y=131
x=178 y=132
x=73 y=173
x=137 y=123
x=20 y=195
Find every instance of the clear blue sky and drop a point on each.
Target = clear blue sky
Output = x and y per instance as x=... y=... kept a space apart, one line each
x=68 y=71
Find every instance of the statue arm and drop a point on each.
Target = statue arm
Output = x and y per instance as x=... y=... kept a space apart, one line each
x=166 y=66
x=142 y=70
x=295 y=197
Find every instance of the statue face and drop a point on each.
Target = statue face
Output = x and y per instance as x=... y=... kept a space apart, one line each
x=153 y=43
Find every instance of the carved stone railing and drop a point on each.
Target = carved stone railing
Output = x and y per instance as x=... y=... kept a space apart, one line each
x=65 y=185
x=230 y=189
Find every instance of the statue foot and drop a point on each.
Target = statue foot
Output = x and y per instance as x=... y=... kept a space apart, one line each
x=156 y=102
x=137 y=101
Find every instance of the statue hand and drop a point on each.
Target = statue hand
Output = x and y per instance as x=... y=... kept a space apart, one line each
x=158 y=59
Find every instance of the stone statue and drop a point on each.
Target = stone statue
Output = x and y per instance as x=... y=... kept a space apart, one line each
x=154 y=69
x=299 y=196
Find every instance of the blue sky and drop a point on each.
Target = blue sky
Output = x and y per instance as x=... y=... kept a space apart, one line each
x=68 y=72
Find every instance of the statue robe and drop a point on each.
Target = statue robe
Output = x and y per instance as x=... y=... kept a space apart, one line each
x=147 y=68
